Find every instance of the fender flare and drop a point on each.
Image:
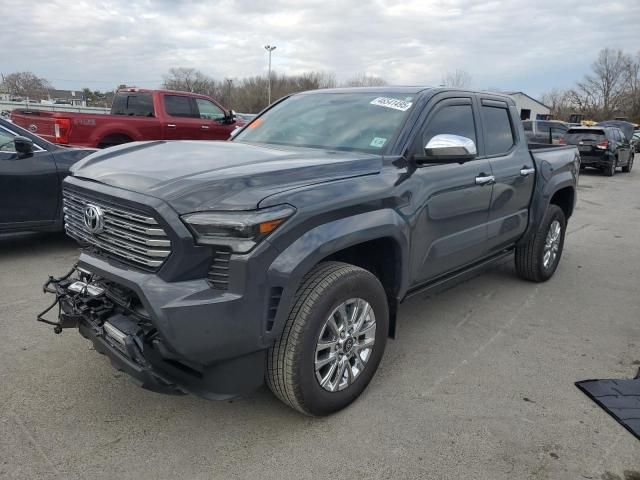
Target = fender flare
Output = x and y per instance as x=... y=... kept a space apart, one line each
x=547 y=184
x=100 y=134
x=294 y=262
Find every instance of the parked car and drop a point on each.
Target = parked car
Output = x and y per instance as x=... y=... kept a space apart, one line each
x=284 y=253
x=31 y=174
x=136 y=114
x=635 y=142
x=605 y=148
x=545 y=131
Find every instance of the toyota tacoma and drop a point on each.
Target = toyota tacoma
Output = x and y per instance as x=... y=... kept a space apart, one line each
x=282 y=255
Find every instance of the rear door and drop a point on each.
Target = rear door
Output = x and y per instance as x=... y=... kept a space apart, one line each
x=452 y=200
x=182 y=121
x=212 y=118
x=29 y=187
x=506 y=149
x=624 y=148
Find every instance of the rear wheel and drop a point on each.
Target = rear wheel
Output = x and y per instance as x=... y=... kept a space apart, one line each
x=113 y=140
x=332 y=342
x=627 y=168
x=610 y=170
x=538 y=259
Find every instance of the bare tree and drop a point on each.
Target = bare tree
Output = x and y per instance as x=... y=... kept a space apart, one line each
x=559 y=101
x=601 y=93
x=26 y=85
x=457 y=79
x=191 y=80
x=364 y=80
x=631 y=98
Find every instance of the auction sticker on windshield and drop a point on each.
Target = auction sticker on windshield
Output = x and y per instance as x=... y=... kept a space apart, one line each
x=394 y=103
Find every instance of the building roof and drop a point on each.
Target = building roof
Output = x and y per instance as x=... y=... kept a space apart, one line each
x=529 y=97
x=66 y=94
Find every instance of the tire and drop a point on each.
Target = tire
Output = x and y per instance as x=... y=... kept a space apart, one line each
x=530 y=258
x=610 y=170
x=627 y=168
x=291 y=362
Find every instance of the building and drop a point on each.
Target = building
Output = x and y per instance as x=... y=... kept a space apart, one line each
x=68 y=97
x=529 y=107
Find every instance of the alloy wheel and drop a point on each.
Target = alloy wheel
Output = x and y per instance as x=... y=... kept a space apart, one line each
x=345 y=344
x=552 y=244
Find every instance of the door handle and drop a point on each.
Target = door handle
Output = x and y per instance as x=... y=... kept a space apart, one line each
x=488 y=180
x=527 y=171
x=204 y=127
x=171 y=125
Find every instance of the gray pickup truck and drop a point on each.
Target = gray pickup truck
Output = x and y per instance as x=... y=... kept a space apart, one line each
x=282 y=255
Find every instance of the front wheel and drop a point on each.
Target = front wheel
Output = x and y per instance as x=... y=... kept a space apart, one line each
x=333 y=339
x=538 y=259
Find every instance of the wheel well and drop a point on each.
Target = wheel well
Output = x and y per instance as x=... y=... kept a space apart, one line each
x=382 y=258
x=564 y=199
x=114 y=139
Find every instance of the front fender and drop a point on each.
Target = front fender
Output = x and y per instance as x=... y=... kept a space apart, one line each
x=290 y=267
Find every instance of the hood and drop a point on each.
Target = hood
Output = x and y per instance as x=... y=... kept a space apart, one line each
x=626 y=127
x=200 y=175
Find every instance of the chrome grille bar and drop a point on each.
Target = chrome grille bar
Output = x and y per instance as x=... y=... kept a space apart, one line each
x=132 y=237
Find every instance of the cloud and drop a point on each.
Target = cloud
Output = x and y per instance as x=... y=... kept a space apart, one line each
x=515 y=44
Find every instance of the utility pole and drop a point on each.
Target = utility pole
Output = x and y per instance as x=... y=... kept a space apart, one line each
x=229 y=82
x=269 y=48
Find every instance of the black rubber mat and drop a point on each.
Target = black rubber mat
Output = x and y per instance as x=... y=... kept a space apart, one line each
x=619 y=398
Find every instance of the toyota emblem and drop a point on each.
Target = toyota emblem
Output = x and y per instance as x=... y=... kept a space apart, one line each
x=33 y=128
x=93 y=219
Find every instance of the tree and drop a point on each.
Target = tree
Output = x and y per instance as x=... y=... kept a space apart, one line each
x=364 y=80
x=191 y=80
x=26 y=85
x=457 y=79
x=601 y=93
x=559 y=102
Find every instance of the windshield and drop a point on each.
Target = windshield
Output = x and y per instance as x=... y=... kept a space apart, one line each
x=365 y=122
x=574 y=137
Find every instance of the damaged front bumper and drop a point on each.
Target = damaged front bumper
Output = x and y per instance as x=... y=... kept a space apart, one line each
x=117 y=323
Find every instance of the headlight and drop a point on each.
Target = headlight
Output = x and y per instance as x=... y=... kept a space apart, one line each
x=241 y=230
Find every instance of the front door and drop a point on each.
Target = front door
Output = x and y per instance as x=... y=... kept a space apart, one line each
x=212 y=126
x=29 y=187
x=452 y=200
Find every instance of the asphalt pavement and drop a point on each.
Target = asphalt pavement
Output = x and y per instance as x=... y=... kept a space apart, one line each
x=479 y=383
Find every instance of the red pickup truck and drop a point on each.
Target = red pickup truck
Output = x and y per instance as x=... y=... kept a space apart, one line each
x=136 y=114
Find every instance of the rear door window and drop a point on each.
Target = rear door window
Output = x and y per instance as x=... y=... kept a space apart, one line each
x=498 y=133
x=179 y=106
x=139 y=104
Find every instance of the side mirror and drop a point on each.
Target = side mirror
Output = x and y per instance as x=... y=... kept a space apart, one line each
x=23 y=146
x=447 y=148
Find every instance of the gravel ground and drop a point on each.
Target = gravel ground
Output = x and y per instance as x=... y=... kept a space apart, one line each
x=478 y=384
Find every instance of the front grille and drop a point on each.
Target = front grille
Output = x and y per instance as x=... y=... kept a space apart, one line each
x=218 y=276
x=132 y=237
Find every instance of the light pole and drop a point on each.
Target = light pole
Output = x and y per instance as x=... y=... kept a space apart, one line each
x=269 y=48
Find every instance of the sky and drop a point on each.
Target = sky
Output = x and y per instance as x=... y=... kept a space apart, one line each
x=525 y=45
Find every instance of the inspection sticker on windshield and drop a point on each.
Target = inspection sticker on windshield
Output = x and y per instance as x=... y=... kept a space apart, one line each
x=378 y=142
x=392 y=103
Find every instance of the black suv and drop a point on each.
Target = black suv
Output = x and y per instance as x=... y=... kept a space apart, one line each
x=605 y=148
